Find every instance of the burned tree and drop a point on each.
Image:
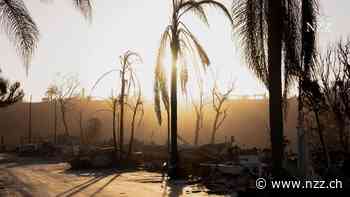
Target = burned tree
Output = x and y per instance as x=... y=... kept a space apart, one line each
x=113 y=105
x=342 y=83
x=218 y=103
x=199 y=110
x=333 y=72
x=137 y=110
x=127 y=77
x=314 y=101
x=326 y=94
x=66 y=93
x=127 y=81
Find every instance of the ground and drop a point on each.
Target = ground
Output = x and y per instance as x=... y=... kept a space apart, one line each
x=41 y=178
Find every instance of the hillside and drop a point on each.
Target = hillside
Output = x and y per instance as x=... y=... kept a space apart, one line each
x=247 y=122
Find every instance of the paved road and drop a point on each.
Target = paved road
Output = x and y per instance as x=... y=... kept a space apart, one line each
x=42 y=179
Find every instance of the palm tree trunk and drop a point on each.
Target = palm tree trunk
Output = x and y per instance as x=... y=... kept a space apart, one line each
x=81 y=127
x=30 y=121
x=122 y=94
x=168 y=130
x=2 y=144
x=196 y=132
x=323 y=144
x=342 y=136
x=55 y=122
x=49 y=104
x=302 y=157
x=275 y=85
x=173 y=111
x=113 y=128
x=63 y=113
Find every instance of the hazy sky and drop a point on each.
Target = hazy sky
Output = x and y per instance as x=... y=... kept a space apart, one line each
x=70 y=45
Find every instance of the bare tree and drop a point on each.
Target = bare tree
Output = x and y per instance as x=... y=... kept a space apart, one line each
x=113 y=105
x=199 y=110
x=343 y=85
x=137 y=108
x=127 y=76
x=332 y=70
x=314 y=100
x=218 y=103
x=66 y=92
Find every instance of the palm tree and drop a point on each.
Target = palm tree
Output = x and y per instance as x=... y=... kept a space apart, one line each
x=182 y=44
x=22 y=29
x=272 y=31
x=308 y=52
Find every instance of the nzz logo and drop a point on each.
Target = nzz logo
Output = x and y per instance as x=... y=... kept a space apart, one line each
x=316 y=184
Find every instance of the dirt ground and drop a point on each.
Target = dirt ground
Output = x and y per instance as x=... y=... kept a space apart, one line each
x=39 y=178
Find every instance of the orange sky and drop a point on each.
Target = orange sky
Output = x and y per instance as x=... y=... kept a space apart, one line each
x=70 y=45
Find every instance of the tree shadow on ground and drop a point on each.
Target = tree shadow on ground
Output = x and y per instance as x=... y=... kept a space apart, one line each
x=83 y=186
x=172 y=188
x=26 y=161
x=96 y=176
x=105 y=185
x=79 y=188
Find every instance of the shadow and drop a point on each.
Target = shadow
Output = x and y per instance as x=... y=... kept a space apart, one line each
x=149 y=178
x=12 y=182
x=105 y=185
x=94 y=172
x=76 y=189
x=90 y=172
x=97 y=175
x=173 y=188
x=17 y=161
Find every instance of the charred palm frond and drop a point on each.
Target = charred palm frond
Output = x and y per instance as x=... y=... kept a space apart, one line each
x=85 y=7
x=20 y=27
x=290 y=45
x=309 y=29
x=250 y=22
x=298 y=42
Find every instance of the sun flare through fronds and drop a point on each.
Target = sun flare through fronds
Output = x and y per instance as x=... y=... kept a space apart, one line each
x=184 y=46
